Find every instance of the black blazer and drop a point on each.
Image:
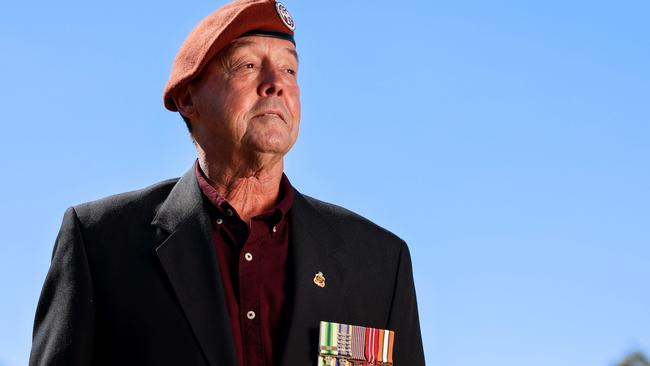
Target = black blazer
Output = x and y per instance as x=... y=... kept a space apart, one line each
x=134 y=281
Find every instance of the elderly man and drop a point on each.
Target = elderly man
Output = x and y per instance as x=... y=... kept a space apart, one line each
x=228 y=265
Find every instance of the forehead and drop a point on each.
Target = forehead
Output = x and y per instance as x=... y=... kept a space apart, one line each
x=261 y=44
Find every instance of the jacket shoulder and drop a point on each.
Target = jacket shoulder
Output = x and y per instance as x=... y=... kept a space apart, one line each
x=141 y=203
x=352 y=226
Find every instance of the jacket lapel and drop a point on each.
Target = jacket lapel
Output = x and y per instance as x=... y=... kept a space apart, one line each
x=315 y=247
x=188 y=257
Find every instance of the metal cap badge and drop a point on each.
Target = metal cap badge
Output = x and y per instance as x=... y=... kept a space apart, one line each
x=285 y=16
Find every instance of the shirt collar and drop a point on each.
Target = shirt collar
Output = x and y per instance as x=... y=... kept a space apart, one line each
x=275 y=214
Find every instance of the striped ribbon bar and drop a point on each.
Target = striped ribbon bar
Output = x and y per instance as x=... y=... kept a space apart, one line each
x=352 y=345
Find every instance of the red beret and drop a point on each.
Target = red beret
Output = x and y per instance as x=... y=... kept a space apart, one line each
x=217 y=30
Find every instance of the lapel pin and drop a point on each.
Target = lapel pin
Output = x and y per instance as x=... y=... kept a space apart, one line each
x=319 y=279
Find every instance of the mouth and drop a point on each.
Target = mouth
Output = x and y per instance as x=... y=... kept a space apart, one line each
x=271 y=113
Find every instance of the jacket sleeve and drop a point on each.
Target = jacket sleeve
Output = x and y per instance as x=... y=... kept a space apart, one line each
x=404 y=320
x=65 y=316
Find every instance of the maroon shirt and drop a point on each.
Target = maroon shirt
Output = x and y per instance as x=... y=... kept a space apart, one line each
x=252 y=260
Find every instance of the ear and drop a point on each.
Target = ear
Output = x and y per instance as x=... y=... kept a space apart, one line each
x=182 y=96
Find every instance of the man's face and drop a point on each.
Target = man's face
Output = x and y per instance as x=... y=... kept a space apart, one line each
x=247 y=98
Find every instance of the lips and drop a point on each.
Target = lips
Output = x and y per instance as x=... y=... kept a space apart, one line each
x=270 y=114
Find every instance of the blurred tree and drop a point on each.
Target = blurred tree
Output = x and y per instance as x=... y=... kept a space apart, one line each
x=635 y=359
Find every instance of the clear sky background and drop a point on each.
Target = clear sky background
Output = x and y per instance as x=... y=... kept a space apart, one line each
x=506 y=141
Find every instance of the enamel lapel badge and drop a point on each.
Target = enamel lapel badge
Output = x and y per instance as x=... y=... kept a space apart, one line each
x=319 y=279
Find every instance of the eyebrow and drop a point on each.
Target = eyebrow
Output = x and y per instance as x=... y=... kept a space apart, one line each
x=238 y=43
x=293 y=52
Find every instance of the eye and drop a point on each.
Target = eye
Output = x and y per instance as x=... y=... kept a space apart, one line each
x=249 y=66
x=291 y=71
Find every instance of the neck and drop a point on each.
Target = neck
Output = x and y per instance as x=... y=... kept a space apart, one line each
x=251 y=189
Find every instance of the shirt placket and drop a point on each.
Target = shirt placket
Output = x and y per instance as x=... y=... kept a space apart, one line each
x=250 y=282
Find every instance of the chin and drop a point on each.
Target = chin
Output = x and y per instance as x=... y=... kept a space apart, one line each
x=273 y=149
x=272 y=143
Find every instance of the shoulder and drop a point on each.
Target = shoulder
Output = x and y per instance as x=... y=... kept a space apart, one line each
x=355 y=229
x=132 y=205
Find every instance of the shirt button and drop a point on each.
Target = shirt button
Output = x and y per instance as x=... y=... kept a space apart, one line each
x=250 y=315
x=229 y=212
x=275 y=228
x=248 y=256
x=219 y=221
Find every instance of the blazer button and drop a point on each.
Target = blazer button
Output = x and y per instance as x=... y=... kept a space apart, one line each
x=250 y=315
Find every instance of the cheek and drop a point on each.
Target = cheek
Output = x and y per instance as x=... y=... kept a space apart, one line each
x=225 y=98
x=211 y=103
x=294 y=103
x=295 y=111
x=236 y=105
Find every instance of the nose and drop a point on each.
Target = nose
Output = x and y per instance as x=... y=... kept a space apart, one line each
x=271 y=83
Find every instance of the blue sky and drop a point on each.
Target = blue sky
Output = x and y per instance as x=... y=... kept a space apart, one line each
x=507 y=142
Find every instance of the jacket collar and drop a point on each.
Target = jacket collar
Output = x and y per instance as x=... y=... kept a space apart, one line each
x=183 y=202
x=188 y=257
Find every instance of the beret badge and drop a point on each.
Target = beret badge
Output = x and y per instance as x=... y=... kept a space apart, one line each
x=285 y=16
